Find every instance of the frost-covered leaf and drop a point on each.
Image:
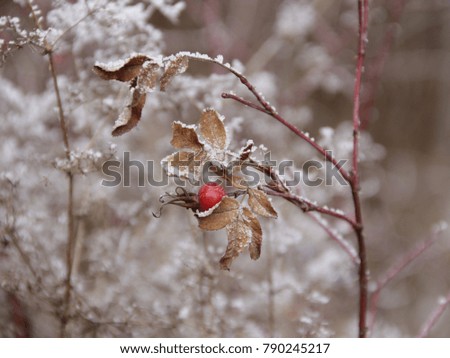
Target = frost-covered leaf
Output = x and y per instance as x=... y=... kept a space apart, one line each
x=175 y=67
x=238 y=239
x=242 y=231
x=131 y=114
x=260 y=203
x=148 y=77
x=185 y=137
x=224 y=214
x=212 y=129
x=142 y=74
x=183 y=164
x=256 y=233
x=122 y=70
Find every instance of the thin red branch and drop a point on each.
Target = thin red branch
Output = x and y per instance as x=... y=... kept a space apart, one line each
x=270 y=110
x=435 y=315
x=307 y=206
x=393 y=271
x=339 y=240
x=244 y=102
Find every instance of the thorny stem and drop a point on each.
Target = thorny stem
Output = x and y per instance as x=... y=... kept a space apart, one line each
x=363 y=16
x=70 y=217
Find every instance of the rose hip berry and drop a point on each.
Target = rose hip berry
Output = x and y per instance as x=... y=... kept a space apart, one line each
x=209 y=195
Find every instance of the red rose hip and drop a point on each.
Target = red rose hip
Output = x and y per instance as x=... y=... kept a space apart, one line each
x=209 y=195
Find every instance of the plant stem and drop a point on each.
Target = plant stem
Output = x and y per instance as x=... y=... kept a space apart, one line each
x=363 y=16
x=307 y=206
x=62 y=120
x=70 y=215
x=268 y=109
x=435 y=315
x=362 y=272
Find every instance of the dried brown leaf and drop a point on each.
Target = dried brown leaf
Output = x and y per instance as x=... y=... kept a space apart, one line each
x=238 y=239
x=244 y=230
x=185 y=137
x=175 y=67
x=184 y=164
x=260 y=203
x=212 y=129
x=125 y=71
x=253 y=224
x=131 y=114
x=224 y=214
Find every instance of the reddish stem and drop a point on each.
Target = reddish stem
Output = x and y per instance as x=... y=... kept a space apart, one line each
x=268 y=109
x=363 y=15
x=308 y=206
x=435 y=315
x=339 y=240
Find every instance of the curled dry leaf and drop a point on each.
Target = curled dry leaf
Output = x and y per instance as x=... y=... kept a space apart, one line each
x=213 y=130
x=260 y=203
x=131 y=114
x=175 y=67
x=223 y=215
x=142 y=73
x=185 y=137
x=123 y=71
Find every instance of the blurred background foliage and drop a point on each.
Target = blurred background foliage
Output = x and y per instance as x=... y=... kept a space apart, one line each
x=135 y=275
